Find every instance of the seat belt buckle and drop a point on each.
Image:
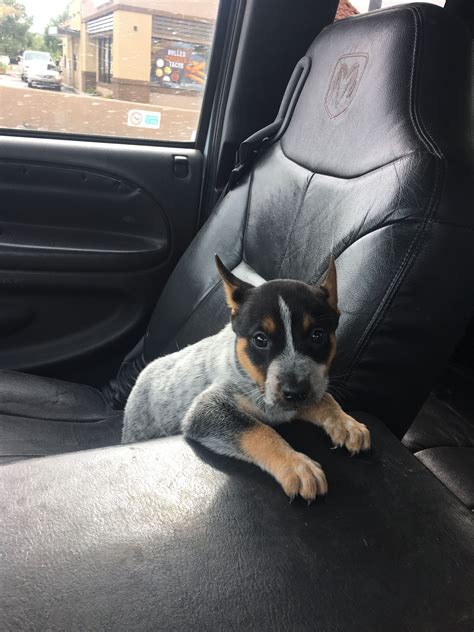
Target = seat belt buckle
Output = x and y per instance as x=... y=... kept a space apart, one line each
x=235 y=175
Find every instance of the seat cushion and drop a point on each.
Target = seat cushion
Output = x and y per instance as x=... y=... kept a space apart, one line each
x=40 y=416
x=439 y=424
x=455 y=468
x=167 y=536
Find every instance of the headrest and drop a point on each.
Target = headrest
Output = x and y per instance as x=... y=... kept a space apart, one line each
x=383 y=85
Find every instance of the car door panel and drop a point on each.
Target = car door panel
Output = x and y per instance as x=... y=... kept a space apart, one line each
x=64 y=217
x=89 y=233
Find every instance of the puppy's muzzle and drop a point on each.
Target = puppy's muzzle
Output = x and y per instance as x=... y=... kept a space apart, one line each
x=295 y=391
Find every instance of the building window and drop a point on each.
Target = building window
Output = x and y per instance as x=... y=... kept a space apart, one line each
x=104 y=52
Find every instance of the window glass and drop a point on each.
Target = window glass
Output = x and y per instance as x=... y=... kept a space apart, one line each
x=347 y=9
x=121 y=68
x=104 y=55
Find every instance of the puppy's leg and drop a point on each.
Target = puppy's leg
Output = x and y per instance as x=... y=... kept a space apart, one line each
x=137 y=422
x=341 y=427
x=218 y=421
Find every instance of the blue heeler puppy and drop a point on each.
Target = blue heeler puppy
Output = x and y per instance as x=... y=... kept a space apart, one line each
x=268 y=366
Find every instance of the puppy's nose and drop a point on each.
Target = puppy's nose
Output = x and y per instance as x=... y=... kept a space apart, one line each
x=295 y=391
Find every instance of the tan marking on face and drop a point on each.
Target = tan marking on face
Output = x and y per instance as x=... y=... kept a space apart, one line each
x=332 y=353
x=269 y=325
x=247 y=364
x=295 y=472
x=307 y=323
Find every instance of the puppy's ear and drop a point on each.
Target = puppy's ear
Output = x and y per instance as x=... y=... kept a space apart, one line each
x=234 y=288
x=329 y=285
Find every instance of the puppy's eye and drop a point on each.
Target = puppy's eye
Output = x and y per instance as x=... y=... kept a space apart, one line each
x=260 y=340
x=319 y=336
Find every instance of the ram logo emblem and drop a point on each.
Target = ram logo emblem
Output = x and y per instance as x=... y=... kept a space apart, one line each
x=345 y=80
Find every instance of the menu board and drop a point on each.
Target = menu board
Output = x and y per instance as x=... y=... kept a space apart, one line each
x=179 y=65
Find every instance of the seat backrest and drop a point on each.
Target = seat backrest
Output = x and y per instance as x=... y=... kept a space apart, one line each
x=373 y=168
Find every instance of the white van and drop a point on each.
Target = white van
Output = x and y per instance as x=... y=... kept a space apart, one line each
x=33 y=56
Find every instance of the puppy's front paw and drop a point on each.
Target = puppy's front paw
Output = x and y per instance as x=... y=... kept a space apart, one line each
x=302 y=476
x=350 y=433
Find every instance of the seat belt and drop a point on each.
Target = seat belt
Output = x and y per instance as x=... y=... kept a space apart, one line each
x=253 y=146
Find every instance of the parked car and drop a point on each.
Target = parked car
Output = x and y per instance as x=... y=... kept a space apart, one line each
x=31 y=56
x=43 y=75
x=4 y=60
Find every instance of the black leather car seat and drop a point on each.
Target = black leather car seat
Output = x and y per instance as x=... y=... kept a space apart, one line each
x=442 y=434
x=371 y=166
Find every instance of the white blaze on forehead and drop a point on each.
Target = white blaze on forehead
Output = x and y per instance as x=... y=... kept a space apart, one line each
x=292 y=362
x=286 y=318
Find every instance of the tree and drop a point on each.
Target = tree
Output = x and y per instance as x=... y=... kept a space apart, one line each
x=36 y=42
x=14 y=26
x=52 y=43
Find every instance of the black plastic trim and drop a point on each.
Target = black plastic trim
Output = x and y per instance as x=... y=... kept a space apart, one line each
x=120 y=140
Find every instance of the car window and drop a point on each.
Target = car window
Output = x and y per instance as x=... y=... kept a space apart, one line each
x=347 y=9
x=134 y=69
x=34 y=55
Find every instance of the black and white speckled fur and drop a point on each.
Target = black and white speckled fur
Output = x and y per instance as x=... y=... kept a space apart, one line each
x=167 y=387
x=266 y=367
x=160 y=403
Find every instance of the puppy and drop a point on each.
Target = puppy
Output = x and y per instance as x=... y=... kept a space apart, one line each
x=268 y=366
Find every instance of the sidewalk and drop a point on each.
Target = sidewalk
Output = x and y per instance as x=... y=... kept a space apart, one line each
x=69 y=112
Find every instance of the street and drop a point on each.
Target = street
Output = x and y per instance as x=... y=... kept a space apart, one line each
x=40 y=109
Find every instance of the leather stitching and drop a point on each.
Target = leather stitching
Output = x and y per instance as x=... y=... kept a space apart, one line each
x=407 y=261
x=414 y=247
x=418 y=125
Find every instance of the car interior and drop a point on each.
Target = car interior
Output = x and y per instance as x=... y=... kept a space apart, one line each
x=318 y=137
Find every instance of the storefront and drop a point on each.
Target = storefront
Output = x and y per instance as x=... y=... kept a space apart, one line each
x=131 y=51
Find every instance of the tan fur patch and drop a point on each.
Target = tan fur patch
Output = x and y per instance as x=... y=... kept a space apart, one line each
x=343 y=429
x=295 y=472
x=307 y=323
x=316 y=412
x=265 y=447
x=229 y=295
x=247 y=364
x=269 y=325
